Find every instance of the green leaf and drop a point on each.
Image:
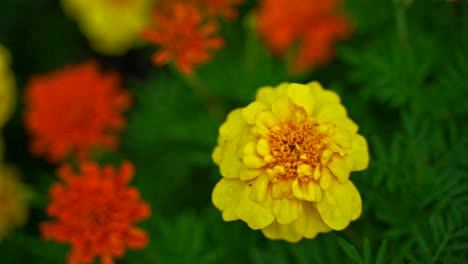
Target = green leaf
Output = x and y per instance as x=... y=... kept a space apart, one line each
x=350 y=250
x=381 y=255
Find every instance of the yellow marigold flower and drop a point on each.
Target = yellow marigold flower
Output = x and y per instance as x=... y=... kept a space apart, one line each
x=1 y=147
x=112 y=26
x=13 y=209
x=285 y=161
x=7 y=87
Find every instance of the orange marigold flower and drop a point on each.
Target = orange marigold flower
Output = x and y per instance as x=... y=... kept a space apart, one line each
x=225 y=8
x=95 y=212
x=316 y=25
x=317 y=48
x=183 y=35
x=74 y=109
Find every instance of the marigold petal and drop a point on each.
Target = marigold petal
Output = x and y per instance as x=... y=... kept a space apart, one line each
x=259 y=190
x=161 y=57
x=314 y=223
x=247 y=174
x=342 y=137
x=256 y=215
x=264 y=121
x=283 y=109
x=360 y=153
x=308 y=191
x=287 y=210
x=314 y=193
x=323 y=96
x=125 y=175
x=231 y=164
x=336 y=114
x=325 y=178
x=226 y=195
x=136 y=238
x=106 y=259
x=341 y=204
x=217 y=155
x=266 y=94
x=253 y=161
x=282 y=188
x=292 y=232
x=341 y=167
x=250 y=112
x=302 y=96
x=263 y=147
x=234 y=125
x=298 y=189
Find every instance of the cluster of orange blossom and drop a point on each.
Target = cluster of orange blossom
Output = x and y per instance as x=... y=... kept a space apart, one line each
x=69 y=113
x=311 y=26
x=186 y=31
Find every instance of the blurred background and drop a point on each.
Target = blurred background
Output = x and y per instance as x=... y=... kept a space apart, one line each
x=400 y=67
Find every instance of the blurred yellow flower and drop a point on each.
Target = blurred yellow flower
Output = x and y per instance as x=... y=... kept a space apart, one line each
x=13 y=196
x=286 y=160
x=1 y=147
x=7 y=87
x=112 y=26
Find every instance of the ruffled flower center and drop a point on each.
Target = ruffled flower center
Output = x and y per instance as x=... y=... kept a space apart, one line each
x=296 y=150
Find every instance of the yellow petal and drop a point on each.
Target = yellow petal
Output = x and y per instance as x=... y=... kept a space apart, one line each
x=314 y=223
x=301 y=95
x=230 y=164
x=268 y=94
x=260 y=189
x=359 y=153
x=335 y=114
x=263 y=147
x=326 y=155
x=253 y=161
x=249 y=149
x=283 y=109
x=292 y=232
x=264 y=121
x=287 y=210
x=317 y=173
x=307 y=191
x=217 y=155
x=342 y=137
x=234 y=125
x=304 y=169
x=243 y=140
x=340 y=205
x=225 y=196
x=247 y=174
x=314 y=193
x=340 y=167
x=298 y=189
x=256 y=215
x=250 y=112
x=325 y=179
x=323 y=96
x=282 y=188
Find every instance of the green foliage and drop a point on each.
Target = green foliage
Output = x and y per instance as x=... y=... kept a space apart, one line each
x=402 y=76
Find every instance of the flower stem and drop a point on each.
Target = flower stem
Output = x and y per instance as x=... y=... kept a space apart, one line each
x=198 y=86
x=402 y=26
